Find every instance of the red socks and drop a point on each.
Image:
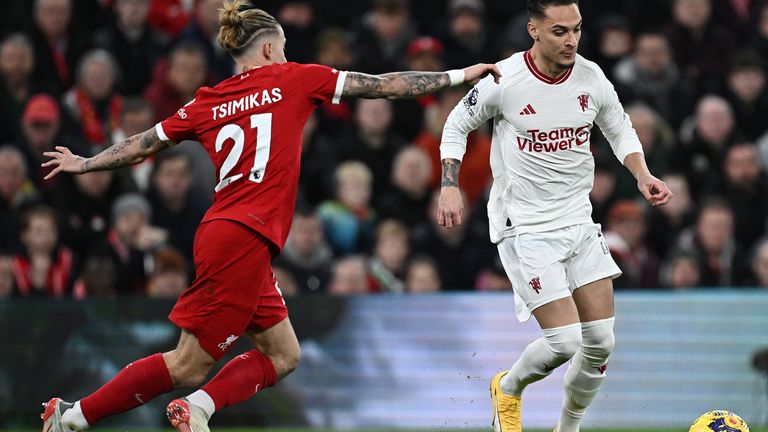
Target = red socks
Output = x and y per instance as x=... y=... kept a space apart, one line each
x=136 y=384
x=241 y=378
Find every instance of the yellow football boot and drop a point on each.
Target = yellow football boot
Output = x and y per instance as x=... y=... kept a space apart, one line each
x=506 y=408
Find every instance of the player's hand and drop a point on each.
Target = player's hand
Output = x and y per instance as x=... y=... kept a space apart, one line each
x=63 y=160
x=654 y=190
x=449 y=207
x=475 y=73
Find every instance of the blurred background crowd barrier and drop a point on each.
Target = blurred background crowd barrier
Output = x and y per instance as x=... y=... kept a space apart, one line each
x=409 y=361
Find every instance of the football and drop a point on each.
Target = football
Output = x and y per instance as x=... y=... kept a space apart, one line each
x=719 y=420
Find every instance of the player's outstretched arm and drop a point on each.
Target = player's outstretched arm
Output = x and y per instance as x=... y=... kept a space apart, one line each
x=413 y=84
x=127 y=152
x=451 y=203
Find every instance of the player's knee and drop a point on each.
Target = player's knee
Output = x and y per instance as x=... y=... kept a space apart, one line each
x=599 y=341
x=564 y=341
x=287 y=361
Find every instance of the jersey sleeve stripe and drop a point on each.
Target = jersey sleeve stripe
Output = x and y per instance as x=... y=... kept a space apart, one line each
x=339 y=87
x=161 y=133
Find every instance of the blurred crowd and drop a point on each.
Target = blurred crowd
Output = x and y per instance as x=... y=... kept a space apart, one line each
x=87 y=73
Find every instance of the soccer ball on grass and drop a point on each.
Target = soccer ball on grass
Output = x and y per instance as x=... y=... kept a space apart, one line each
x=720 y=420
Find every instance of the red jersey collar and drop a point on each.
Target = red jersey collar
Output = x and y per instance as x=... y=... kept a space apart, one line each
x=540 y=75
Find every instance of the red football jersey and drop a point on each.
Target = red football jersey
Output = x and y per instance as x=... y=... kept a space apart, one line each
x=251 y=126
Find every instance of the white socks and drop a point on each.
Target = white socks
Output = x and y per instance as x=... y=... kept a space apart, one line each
x=73 y=418
x=586 y=372
x=203 y=400
x=541 y=357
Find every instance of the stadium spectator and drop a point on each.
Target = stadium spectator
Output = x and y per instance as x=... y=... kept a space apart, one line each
x=477 y=173
x=136 y=117
x=130 y=242
x=614 y=42
x=175 y=82
x=722 y=262
x=169 y=276
x=83 y=205
x=459 y=252
x=493 y=277
x=747 y=93
x=17 y=193
x=44 y=268
x=301 y=28
x=681 y=270
x=41 y=132
x=761 y=35
x=135 y=45
x=57 y=50
x=202 y=30
x=760 y=264
x=703 y=146
x=390 y=251
x=306 y=255
x=334 y=49
x=349 y=220
x=409 y=193
x=701 y=48
x=17 y=62
x=381 y=39
x=170 y=16
x=603 y=193
x=421 y=275
x=649 y=75
x=468 y=35
x=93 y=104
x=319 y=154
x=98 y=277
x=625 y=238
x=424 y=54
x=372 y=141
x=667 y=222
x=175 y=206
x=657 y=139
x=349 y=277
x=745 y=189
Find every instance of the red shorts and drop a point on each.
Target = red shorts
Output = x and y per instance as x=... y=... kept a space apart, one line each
x=234 y=288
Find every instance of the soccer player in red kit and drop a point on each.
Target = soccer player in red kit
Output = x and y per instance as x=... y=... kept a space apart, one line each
x=251 y=126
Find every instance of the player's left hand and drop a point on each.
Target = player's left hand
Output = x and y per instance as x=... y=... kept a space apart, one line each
x=63 y=160
x=654 y=190
x=475 y=73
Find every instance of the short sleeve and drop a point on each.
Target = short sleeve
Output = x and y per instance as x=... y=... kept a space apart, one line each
x=322 y=83
x=180 y=126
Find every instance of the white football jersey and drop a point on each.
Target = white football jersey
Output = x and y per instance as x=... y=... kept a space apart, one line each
x=541 y=162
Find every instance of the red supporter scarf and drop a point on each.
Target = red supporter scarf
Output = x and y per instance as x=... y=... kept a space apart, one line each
x=93 y=126
x=58 y=274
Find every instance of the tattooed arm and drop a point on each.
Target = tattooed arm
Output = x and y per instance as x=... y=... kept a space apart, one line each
x=451 y=202
x=413 y=84
x=127 y=152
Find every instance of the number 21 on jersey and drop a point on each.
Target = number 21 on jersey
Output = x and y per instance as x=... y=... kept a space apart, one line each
x=263 y=125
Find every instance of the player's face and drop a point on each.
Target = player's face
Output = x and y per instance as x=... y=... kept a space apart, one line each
x=558 y=34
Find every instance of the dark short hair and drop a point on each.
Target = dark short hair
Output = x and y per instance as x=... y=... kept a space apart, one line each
x=536 y=8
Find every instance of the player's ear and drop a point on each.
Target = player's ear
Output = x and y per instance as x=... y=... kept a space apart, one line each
x=533 y=30
x=267 y=50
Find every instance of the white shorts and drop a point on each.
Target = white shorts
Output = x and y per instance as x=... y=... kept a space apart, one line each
x=548 y=266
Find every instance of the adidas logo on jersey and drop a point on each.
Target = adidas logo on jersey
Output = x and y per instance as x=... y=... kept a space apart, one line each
x=528 y=110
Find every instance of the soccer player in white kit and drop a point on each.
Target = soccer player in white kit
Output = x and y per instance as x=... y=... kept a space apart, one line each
x=539 y=210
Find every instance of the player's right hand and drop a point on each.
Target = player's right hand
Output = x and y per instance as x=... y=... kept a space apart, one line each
x=475 y=73
x=449 y=207
x=63 y=160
